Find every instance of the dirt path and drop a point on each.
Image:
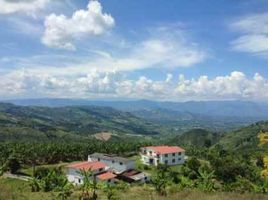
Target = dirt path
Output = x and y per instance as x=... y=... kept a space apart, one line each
x=15 y=176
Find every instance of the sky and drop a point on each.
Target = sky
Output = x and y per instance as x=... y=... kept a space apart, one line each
x=175 y=50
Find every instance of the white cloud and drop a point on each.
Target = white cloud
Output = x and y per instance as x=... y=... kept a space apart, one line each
x=169 y=48
x=254 y=38
x=61 y=31
x=236 y=86
x=21 y=6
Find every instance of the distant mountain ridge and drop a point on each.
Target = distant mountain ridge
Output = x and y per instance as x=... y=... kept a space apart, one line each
x=209 y=108
x=76 y=122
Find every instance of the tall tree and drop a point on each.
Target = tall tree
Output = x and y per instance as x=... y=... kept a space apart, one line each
x=161 y=179
x=263 y=136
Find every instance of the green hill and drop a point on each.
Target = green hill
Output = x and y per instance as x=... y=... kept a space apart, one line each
x=244 y=139
x=196 y=137
x=75 y=122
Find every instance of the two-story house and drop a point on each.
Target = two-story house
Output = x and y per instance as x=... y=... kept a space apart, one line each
x=168 y=155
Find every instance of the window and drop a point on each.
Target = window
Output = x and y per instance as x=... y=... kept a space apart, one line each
x=179 y=159
x=150 y=152
x=173 y=160
x=98 y=159
x=157 y=155
x=100 y=169
x=121 y=163
x=166 y=155
x=112 y=161
x=179 y=153
x=166 y=162
x=79 y=180
x=173 y=154
x=145 y=178
x=109 y=180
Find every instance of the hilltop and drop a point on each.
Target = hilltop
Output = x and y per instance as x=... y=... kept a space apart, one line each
x=72 y=122
x=180 y=116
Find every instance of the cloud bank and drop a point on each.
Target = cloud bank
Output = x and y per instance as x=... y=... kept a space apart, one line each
x=96 y=84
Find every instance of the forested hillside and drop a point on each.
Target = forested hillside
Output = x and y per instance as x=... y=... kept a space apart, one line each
x=244 y=139
x=46 y=123
x=181 y=116
x=196 y=137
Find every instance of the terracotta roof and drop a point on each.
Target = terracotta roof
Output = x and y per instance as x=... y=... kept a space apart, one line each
x=165 y=149
x=88 y=165
x=106 y=176
x=130 y=172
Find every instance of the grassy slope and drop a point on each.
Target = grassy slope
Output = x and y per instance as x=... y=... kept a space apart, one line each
x=42 y=123
x=196 y=137
x=19 y=190
x=244 y=139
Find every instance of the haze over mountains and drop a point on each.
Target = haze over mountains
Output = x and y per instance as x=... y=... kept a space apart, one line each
x=209 y=108
x=177 y=116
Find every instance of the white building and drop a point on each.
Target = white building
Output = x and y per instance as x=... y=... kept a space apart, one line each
x=116 y=164
x=168 y=155
x=99 y=171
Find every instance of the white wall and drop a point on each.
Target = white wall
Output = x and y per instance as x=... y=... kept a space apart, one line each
x=116 y=165
x=76 y=178
x=178 y=159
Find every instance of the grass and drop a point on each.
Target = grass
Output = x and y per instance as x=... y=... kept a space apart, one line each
x=11 y=189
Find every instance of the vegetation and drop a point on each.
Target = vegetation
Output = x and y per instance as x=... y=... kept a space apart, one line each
x=217 y=163
x=196 y=137
x=20 y=190
x=69 y=123
x=263 y=136
x=245 y=138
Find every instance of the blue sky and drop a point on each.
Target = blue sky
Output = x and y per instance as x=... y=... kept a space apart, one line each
x=143 y=49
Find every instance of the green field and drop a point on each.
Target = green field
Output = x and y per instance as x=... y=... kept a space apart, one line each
x=11 y=189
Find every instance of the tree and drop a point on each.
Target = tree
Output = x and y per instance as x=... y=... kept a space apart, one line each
x=3 y=168
x=35 y=184
x=264 y=140
x=13 y=165
x=207 y=143
x=193 y=163
x=89 y=183
x=65 y=190
x=205 y=180
x=161 y=180
x=186 y=182
x=110 y=191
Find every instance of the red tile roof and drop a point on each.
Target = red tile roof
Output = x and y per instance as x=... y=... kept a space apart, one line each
x=165 y=149
x=88 y=165
x=130 y=173
x=106 y=176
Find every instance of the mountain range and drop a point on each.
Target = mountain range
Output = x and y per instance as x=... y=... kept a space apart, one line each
x=180 y=116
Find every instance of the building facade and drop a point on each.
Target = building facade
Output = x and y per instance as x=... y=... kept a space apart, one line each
x=99 y=171
x=167 y=155
x=116 y=164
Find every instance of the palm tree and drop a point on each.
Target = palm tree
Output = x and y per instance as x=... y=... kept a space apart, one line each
x=110 y=191
x=205 y=180
x=161 y=180
x=65 y=190
x=89 y=183
x=35 y=185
